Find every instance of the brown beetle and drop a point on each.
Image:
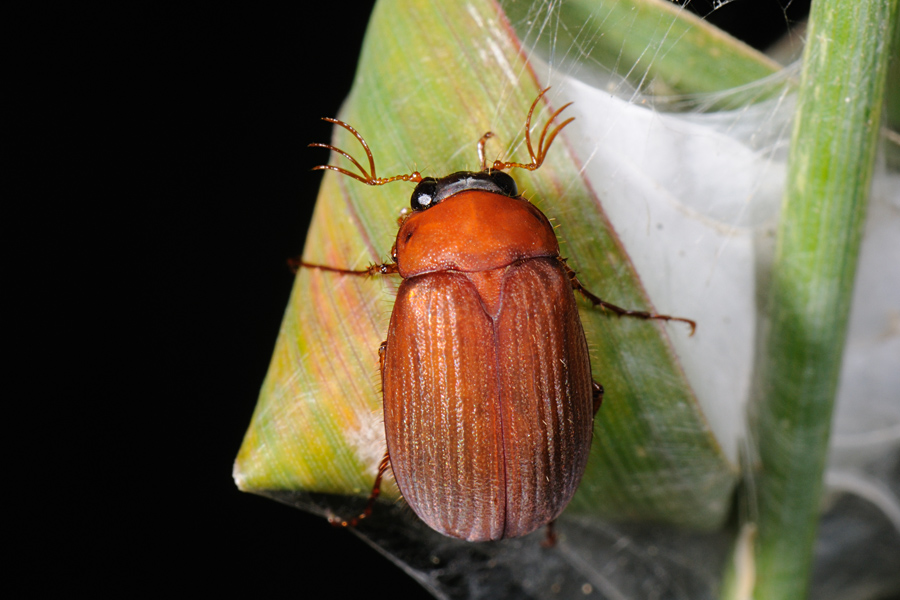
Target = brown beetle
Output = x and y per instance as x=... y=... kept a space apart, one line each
x=488 y=396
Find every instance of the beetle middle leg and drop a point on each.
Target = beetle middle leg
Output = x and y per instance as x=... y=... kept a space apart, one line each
x=618 y=310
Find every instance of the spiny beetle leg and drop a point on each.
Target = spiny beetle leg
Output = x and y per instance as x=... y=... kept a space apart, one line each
x=622 y=312
x=370 y=504
x=382 y=269
x=598 y=395
x=381 y=350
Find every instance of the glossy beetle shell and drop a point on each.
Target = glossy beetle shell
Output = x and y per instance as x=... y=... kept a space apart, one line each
x=486 y=375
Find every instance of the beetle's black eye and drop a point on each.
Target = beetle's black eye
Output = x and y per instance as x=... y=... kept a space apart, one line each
x=506 y=183
x=423 y=195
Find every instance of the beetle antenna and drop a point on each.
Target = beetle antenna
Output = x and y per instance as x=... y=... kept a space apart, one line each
x=368 y=177
x=537 y=159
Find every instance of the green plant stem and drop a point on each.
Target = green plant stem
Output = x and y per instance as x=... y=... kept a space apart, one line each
x=830 y=171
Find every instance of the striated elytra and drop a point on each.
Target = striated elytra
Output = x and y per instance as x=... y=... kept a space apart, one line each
x=486 y=375
x=488 y=397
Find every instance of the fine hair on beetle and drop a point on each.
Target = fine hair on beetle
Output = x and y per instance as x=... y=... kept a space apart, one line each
x=487 y=389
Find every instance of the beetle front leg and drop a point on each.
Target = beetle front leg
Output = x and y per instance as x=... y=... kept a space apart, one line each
x=382 y=269
x=618 y=310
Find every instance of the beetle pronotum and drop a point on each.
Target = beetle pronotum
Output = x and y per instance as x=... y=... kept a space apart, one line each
x=488 y=396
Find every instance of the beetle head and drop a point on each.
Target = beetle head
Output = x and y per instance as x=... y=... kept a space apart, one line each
x=431 y=190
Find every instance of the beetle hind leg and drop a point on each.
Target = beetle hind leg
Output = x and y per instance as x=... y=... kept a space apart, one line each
x=370 y=503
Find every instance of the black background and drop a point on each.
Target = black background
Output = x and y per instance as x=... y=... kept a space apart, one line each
x=173 y=184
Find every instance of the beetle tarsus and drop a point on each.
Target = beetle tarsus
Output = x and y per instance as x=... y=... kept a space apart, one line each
x=641 y=314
